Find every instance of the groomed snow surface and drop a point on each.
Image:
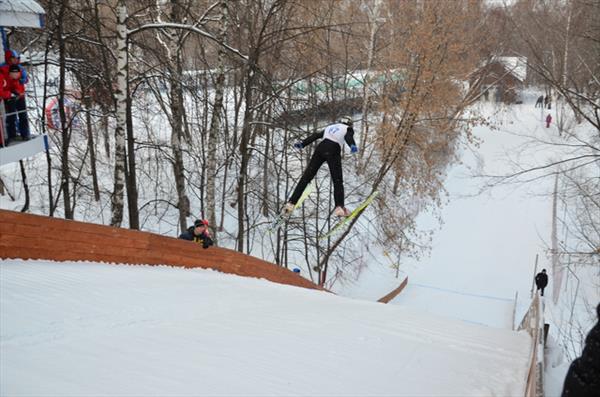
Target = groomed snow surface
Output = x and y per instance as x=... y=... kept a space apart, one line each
x=82 y=329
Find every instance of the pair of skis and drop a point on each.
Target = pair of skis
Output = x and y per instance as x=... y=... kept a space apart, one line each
x=338 y=227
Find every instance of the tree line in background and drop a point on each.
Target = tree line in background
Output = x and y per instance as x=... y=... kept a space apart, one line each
x=190 y=108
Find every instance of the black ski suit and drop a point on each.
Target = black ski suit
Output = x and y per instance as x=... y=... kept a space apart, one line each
x=328 y=150
x=541 y=280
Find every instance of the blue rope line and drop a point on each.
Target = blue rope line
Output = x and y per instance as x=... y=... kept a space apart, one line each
x=462 y=293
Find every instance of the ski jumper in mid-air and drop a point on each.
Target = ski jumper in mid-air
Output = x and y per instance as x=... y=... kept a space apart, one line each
x=328 y=150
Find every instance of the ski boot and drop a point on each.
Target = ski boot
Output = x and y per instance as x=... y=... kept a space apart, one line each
x=288 y=208
x=342 y=212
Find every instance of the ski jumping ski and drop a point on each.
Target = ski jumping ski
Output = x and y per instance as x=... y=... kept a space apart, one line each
x=340 y=225
x=283 y=217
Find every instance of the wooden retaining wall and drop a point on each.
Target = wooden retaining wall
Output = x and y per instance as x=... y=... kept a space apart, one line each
x=27 y=236
x=394 y=293
x=533 y=323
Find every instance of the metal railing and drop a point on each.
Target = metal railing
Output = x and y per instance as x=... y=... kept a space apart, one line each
x=3 y=116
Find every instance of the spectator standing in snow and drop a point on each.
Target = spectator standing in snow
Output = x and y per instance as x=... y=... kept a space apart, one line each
x=541 y=280
x=583 y=377
x=548 y=120
x=198 y=233
x=12 y=57
x=15 y=84
x=540 y=101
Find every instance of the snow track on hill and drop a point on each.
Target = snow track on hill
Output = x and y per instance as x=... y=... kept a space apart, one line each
x=88 y=329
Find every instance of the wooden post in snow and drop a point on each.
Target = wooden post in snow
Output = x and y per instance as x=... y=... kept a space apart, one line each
x=515 y=310
x=534 y=273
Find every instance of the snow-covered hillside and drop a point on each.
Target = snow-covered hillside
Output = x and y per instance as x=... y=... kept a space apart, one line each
x=82 y=329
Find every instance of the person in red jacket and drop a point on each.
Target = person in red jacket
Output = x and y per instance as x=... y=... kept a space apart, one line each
x=548 y=120
x=12 y=57
x=15 y=104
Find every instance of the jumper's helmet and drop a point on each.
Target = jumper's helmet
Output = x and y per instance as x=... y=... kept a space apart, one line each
x=346 y=120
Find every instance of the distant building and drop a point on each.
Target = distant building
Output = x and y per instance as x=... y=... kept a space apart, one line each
x=502 y=79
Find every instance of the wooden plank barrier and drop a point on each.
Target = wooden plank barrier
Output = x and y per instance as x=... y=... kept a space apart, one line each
x=27 y=236
x=533 y=323
x=394 y=293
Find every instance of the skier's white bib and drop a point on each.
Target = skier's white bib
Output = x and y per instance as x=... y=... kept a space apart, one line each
x=336 y=133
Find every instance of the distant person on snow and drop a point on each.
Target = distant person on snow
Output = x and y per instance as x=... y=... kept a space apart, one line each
x=541 y=280
x=198 y=233
x=328 y=150
x=540 y=101
x=583 y=377
x=548 y=101
x=548 y=120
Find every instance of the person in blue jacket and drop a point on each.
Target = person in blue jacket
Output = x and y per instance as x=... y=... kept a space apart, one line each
x=198 y=233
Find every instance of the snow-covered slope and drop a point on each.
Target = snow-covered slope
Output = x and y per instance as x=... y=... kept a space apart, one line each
x=480 y=309
x=486 y=248
x=77 y=329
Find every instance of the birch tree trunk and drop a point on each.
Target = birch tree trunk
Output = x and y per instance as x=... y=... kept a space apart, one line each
x=121 y=105
x=215 y=124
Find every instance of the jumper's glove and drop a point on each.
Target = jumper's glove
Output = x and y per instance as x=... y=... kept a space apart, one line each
x=353 y=149
x=298 y=145
x=14 y=95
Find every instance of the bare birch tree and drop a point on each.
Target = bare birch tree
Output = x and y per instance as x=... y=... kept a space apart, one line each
x=121 y=113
